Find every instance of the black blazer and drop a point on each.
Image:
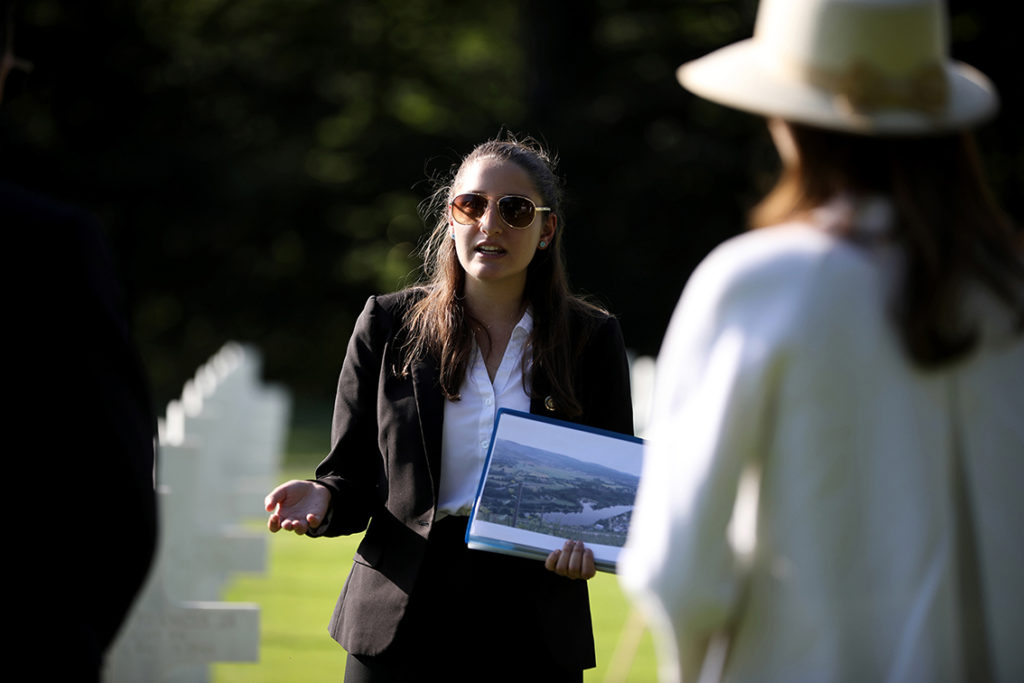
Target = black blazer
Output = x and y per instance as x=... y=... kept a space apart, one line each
x=383 y=471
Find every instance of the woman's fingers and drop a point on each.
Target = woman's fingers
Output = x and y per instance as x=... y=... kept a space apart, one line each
x=299 y=526
x=278 y=495
x=587 y=567
x=569 y=557
x=574 y=560
x=581 y=562
x=551 y=564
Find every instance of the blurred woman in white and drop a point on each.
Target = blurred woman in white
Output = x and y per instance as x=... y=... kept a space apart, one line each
x=859 y=359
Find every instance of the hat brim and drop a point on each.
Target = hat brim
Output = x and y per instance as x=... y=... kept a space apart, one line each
x=738 y=76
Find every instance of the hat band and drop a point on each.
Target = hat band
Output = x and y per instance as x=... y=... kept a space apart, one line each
x=863 y=88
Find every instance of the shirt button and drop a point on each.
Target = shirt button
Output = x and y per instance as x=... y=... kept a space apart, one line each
x=488 y=401
x=484 y=444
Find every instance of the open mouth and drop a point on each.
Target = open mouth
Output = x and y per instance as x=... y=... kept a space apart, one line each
x=490 y=250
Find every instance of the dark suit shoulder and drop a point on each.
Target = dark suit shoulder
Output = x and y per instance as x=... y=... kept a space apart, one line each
x=585 y=310
x=397 y=304
x=588 y=323
x=383 y=319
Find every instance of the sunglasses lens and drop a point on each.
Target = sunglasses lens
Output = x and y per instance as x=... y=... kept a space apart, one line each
x=516 y=211
x=468 y=208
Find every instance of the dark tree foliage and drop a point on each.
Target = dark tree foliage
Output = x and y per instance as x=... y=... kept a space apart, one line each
x=258 y=165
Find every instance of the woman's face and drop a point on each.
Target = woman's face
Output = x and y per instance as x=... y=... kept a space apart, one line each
x=491 y=252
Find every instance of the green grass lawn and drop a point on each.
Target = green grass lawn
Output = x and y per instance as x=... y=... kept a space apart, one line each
x=302 y=582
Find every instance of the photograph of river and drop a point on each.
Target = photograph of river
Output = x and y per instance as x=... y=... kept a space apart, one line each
x=538 y=490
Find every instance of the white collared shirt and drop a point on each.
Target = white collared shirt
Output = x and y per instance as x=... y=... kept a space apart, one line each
x=468 y=423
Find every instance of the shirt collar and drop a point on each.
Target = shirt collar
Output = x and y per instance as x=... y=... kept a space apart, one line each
x=867 y=217
x=525 y=324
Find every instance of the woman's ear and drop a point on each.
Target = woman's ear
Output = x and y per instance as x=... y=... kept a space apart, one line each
x=547 y=232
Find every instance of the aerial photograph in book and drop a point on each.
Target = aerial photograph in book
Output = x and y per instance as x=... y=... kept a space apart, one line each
x=538 y=490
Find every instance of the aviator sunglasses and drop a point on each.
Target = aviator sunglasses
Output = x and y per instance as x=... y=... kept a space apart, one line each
x=517 y=212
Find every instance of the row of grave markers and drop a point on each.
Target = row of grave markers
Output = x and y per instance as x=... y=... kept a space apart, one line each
x=219 y=449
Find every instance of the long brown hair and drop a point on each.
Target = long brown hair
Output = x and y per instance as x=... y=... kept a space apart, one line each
x=438 y=324
x=949 y=224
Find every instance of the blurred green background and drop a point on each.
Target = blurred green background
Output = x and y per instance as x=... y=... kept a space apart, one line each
x=258 y=165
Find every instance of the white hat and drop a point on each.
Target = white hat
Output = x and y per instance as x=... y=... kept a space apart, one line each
x=876 y=67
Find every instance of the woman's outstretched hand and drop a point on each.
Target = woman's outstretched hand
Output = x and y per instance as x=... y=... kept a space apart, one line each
x=297 y=506
x=574 y=560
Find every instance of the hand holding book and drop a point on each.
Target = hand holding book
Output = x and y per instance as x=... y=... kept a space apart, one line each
x=574 y=560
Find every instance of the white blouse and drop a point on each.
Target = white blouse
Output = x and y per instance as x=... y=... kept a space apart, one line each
x=468 y=423
x=780 y=367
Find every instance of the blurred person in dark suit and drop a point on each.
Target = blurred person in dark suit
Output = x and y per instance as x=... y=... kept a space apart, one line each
x=83 y=401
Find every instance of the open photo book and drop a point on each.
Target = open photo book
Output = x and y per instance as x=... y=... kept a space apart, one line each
x=547 y=480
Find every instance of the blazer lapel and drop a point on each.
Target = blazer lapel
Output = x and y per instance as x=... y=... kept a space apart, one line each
x=542 y=403
x=430 y=405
